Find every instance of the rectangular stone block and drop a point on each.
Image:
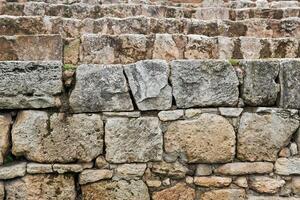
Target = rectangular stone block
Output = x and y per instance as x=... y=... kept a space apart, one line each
x=31 y=48
x=204 y=83
x=30 y=84
x=290 y=84
x=100 y=88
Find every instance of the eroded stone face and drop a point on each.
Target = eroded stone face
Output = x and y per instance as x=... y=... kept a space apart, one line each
x=264 y=184
x=287 y=166
x=5 y=123
x=259 y=86
x=290 y=84
x=222 y=194
x=262 y=135
x=148 y=81
x=133 y=140
x=180 y=191
x=191 y=137
x=204 y=83
x=59 y=138
x=41 y=186
x=100 y=88
x=115 y=190
x=30 y=84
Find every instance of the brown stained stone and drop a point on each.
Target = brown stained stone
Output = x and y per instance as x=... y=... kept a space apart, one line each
x=179 y=192
x=165 y=47
x=201 y=47
x=5 y=123
x=212 y=181
x=71 y=51
x=264 y=184
x=240 y=168
x=224 y=194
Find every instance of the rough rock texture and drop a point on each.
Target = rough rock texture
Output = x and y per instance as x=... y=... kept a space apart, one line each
x=262 y=135
x=77 y=167
x=115 y=190
x=5 y=123
x=259 y=86
x=224 y=194
x=287 y=166
x=264 y=184
x=165 y=47
x=148 y=81
x=130 y=171
x=69 y=138
x=203 y=170
x=191 y=137
x=100 y=88
x=13 y=170
x=133 y=140
x=179 y=192
x=174 y=170
x=170 y=115
x=212 y=181
x=239 y=168
x=290 y=84
x=41 y=186
x=93 y=175
x=30 y=84
x=204 y=83
x=38 y=168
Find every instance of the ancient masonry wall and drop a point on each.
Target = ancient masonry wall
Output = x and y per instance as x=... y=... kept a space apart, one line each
x=140 y=100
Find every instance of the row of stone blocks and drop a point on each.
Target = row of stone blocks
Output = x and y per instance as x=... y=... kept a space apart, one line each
x=174 y=144
x=68 y=28
x=82 y=11
x=153 y=83
x=130 y=48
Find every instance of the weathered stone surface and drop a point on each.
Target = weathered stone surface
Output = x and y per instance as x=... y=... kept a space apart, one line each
x=64 y=168
x=201 y=47
x=204 y=83
x=287 y=166
x=100 y=88
x=170 y=115
x=93 y=175
x=240 y=168
x=2 y=191
x=30 y=84
x=203 y=170
x=133 y=140
x=133 y=114
x=115 y=190
x=101 y=162
x=296 y=185
x=241 y=182
x=212 y=181
x=262 y=135
x=271 y=198
x=28 y=47
x=12 y=170
x=153 y=183
x=5 y=123
x=39 y=168
x=191 y=137
x=290 y=84
x=259 y=86
x=264 y=184
x=129 y=171
x=70 y=138
x=165 y=47
x=174 y=170
x=230 y=112
x=179 y=192
x=224 y=194
x=148 y=81
x=41 y=186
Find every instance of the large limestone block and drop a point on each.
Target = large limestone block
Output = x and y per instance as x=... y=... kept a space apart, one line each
x=31 y=47
x=262 y=135
x=100 y=88
x=204 y=83
x=42 y=187
x=5 y=123
x=148 y=81
x=208 y=139
x=133 y=140
x=30 y=84
x=59 y=138
x=259 y=84
x=179 y=192
x=290 y=84
x=115 y=190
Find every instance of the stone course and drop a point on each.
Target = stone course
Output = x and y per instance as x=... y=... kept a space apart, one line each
x=149 y=100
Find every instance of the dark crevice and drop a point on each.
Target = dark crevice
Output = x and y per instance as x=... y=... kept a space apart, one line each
x=135 y=107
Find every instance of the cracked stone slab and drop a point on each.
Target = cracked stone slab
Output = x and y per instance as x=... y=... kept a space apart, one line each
x=57 y=138
x=148 y=81
x=204 y=83
x=100 y=88
x=30 y=84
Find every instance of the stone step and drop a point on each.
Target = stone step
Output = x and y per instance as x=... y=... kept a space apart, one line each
x=31 y=47
x=129 y=48
x=73 y=28
x=82 y=11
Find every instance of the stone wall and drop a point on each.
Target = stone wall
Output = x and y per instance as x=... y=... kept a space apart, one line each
x=150 y=100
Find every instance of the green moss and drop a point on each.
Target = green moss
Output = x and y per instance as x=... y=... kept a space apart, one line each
x=234 y=61
x=8 y=159
x=69 y=67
